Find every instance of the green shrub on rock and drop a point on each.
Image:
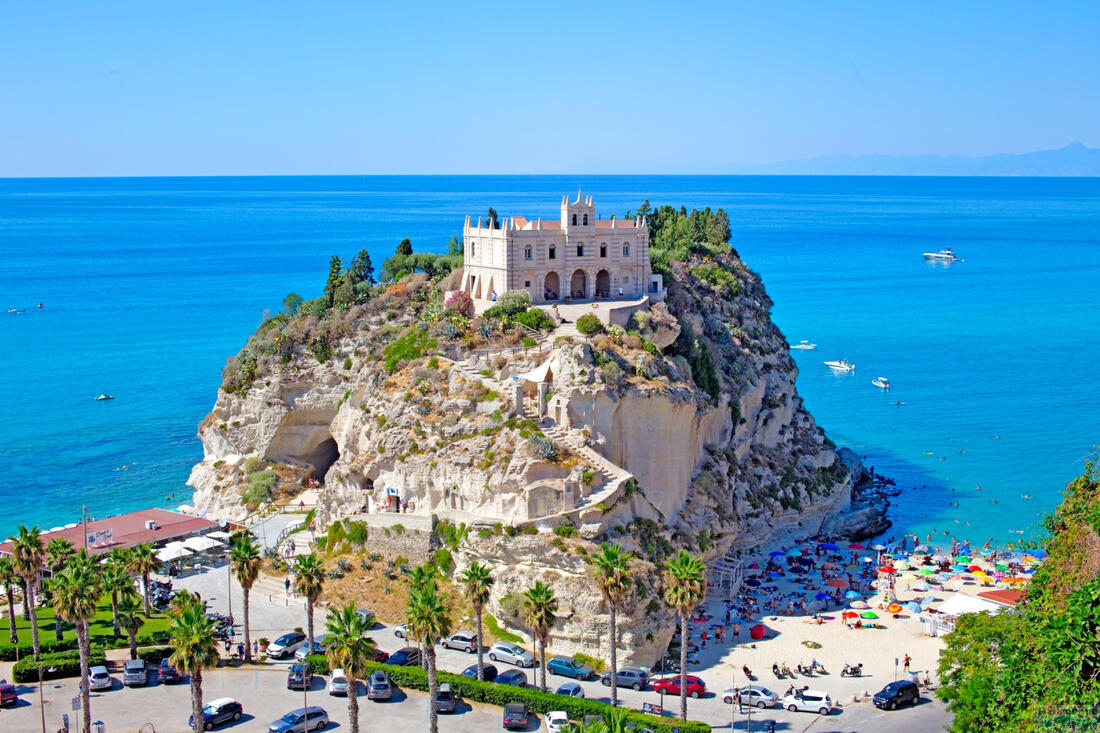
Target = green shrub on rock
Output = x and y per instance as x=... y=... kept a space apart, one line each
x=589 y=324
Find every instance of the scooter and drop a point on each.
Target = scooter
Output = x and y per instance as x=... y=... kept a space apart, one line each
x=786 y=670
x=777 y=671
x=852 y=670
x=818 y=667
x=804 y=670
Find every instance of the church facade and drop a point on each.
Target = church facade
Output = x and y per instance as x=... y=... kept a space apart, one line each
x=575 y=258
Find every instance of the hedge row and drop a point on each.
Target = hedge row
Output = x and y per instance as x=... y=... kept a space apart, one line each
x=153 y=655
x=494 y=694
x=11 y=652
x=56 y=665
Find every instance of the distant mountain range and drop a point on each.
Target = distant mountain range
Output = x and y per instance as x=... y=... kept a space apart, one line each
x=1073 y=160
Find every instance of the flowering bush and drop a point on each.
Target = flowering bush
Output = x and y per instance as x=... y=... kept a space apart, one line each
x=460 y=302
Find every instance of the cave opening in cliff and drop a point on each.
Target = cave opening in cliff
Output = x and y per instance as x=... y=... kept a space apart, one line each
x=321 y=457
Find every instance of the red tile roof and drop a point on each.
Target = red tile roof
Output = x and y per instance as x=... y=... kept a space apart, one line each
x=129 y=530
x=1006 y=597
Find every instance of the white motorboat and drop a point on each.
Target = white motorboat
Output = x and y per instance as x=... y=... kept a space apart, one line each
x=17 y=311
x=842 y=365
x=804 y=344
x=103 y=396
x=943 y=255
x=881 y=382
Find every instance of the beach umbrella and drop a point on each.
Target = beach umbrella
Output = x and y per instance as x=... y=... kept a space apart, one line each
x=871 y=614
x=886 y=569
x=974 y=568
x=958 y=568
x=926 y=601
x=894 y=608
x=757 y=632
x=858 y=604
x=797 y=569
x=938 y=557
x=775 y=553
x=913 y=606
x=866 y=559
x=901 y=565
x=752 y=583
x=920 y=548
x=850 y=614
x=857 y=546
x=836 y=583
x=754 y=566
x=1002 y=568
x=794 y=553
x=828 y=566
x=986 y=552
x=822 y=596
x=1040 y=554
x=851 y=594
x=879 y=548
x=922 y=587
x=926 y=571
x=962 y=558
x=774 y=575
x=828 y=546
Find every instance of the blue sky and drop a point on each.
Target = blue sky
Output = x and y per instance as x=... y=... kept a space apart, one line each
x=150 y=88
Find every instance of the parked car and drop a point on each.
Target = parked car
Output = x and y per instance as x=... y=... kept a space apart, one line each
x=512 y=677
x=8 y=695
x=515 y=716
x=570 y=689
x=760 y=697
x=381 y=656
x=488 y=672
x=378 y=686
x=299 y=677
x=504 y=651
x=569 y=667
x=300 y=720
x=407 y=656
x=557 y=722
x=813 y=701
x=445 y=699
x=319 y=647
x=286 y=645
x=99 y=678
x=367 y=616
x=134 y=673
x=401 y=631
x=167 y=673
x=465 y=641
x=338 y=682
x=632 y=677
x=671 y=686
x=218 y=712
x=896 y=694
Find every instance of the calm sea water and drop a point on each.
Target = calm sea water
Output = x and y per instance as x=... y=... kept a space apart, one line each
x=149 y=284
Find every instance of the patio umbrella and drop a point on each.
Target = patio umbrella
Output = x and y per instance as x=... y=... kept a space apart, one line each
x=868 y=614
x=168 y=554
x=857 y=546
x=851 y=594
x=837 y=583
x=757 y=632
x=828 y=546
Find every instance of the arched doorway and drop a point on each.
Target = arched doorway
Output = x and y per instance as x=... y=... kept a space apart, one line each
x=578 y=287
x=551 y=288
x=603 y=284
x=490 y=293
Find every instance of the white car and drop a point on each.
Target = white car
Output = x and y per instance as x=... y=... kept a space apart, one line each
x=338 y=683
x=809 y=701
x=286 y=645
x=99 y=678
x=557 y=722
x=754 y=695
x=401 y=631
x=504 y=651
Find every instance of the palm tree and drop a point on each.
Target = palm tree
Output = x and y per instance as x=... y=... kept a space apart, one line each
x=58 y=552
x=611 y=571
x=8 y=578
x=244 y=553
x=539 y=607
x=129 y=617
x=309 y=581
x=477 y=581
x=76 y=591
x=349 y=648
x=117 y=582
x=28 y=556
x=420 y=576
x=685 y=579
x=194 y=648
x=142 y=561
x=429 y=621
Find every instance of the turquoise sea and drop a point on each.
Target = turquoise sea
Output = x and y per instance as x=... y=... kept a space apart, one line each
x=147 y=286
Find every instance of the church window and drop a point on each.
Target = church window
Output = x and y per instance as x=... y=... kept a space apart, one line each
x=603 y=250
x=527 y=253
x=553 y=252
x=580 y=250
x=574 y=220
x=626 y=250
x=473 y=249
x=586 y=219
x=526 y=283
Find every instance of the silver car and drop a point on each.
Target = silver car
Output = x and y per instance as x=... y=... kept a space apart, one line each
x=300 y=720
x=338 y=683
x=465 y=641
x=99 y=678
x=319 y=647
x=134 y=673
x=504 y=651
x=760 y=697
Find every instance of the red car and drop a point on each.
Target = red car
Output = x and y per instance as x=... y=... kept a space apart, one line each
x=381 y=656
x=8 y=695
x=671 y=686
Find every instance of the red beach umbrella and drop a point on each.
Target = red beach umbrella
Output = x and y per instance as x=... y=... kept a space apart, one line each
x=837 y=583
x=887 y=569
x=974 y=568
x=757 y=632
x=830 y=565
x=850 y=614
x=857 y=546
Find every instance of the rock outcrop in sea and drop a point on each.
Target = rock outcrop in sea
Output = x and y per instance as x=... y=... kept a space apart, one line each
x=683 y=430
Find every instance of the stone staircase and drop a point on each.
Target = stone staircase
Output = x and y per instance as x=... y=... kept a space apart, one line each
x=613 y=477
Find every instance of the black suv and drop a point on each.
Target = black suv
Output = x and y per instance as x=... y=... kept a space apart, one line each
x=217 y=712
x=896 y=694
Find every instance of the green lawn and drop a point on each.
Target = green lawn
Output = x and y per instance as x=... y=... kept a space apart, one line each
x=100 y=628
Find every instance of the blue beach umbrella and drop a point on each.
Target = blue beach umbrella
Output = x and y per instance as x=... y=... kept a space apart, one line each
x=775 y=553
x=774 y=575
x=822 y=596
x=828 y=546
x=798 y=569
x=913 y=606
x=794 y=553
x=960 y=567
x=851 y=594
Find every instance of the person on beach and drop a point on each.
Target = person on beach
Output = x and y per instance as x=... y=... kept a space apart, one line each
x=907 y=660
x=737 y=631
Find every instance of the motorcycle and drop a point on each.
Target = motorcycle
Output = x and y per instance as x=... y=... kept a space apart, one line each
x=786 y=670
x=804 y=670
x=747 y=672
x=818 y=667
x=777 y=671
x=852 y=670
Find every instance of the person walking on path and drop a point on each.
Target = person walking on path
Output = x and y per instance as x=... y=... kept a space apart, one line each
x=286 y=585
x=907 y=660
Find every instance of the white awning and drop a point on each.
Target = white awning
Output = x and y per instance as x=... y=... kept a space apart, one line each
x=218 y=535
x=172 y=553
x=538 y=374
x=961 y=603
x=201 y=544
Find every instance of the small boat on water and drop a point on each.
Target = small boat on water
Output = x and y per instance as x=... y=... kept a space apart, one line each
x=104 y=396
x=881 y=382
x=841 y=365
x=17 y=311
x=943 y=255
x=804 y=344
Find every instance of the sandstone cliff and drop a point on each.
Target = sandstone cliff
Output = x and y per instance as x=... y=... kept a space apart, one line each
x=684 y=430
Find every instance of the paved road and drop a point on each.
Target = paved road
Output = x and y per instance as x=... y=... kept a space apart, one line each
x=263 y=695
